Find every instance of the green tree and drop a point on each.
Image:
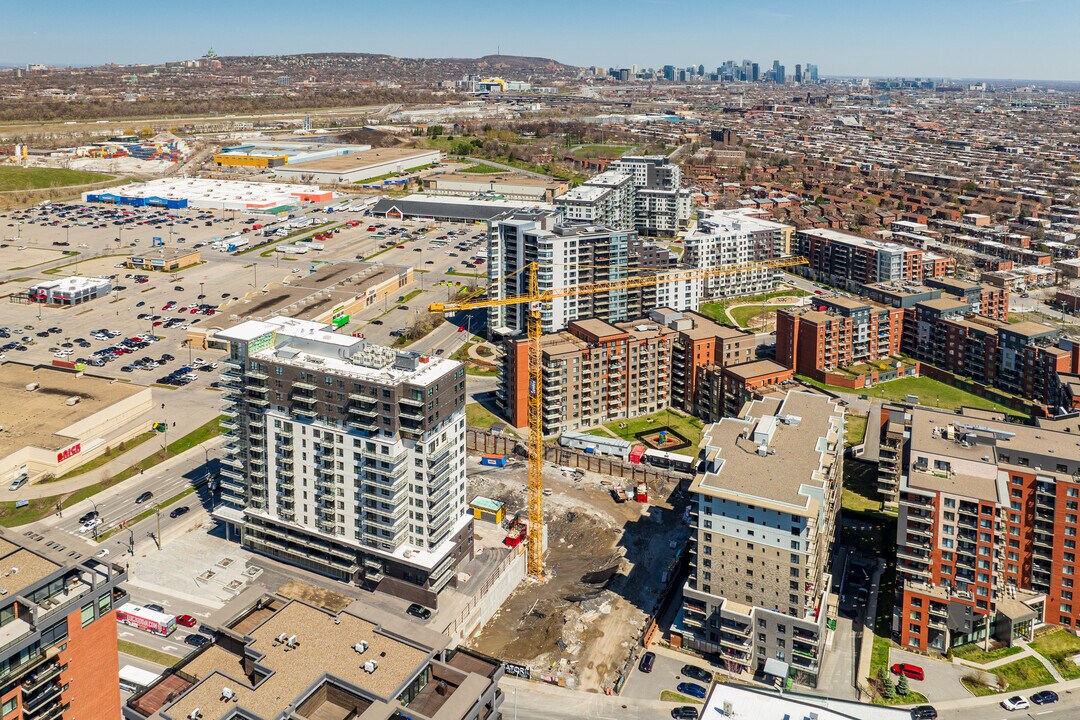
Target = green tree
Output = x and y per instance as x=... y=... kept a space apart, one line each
x=902 y=686
x=888 y=690
x=434 y=130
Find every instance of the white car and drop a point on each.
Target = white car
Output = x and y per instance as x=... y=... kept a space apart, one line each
x=102 y=553
x=89 y=525
x=199 y=361
x=1017 y=702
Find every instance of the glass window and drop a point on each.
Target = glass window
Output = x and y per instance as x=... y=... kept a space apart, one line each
x=87 y=614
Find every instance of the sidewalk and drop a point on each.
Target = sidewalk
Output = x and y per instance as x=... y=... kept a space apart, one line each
x=115 y=466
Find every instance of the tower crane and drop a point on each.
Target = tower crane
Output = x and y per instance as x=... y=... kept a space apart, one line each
x=534 y=298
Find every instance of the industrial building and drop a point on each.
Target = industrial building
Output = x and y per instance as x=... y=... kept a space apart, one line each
x=73 y=290
x=763 y=514
x=446 y=208
x=333 y=444
x=55 y=420
x=358 y=166
x=361 y=662
x=274 y=154
x=497 y=186
x=164 y=259
x=60 y=654
x=179 y=193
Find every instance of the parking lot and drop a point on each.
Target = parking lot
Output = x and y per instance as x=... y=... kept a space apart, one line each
x=138 y=331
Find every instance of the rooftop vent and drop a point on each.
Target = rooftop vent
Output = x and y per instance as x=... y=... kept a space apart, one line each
x=228 y=695
x=370 y=666
x=361 y=647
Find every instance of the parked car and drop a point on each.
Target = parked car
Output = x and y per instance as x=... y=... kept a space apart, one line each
x=923 y=712
x=912 y=672
x=419 y=611
x=186 y=621
x=645 y=665
x=1044 y=697
x=692 y=671
x=102 y=553
x=87 y=517
x=1016 y=702
x=692 y=689
x=684 y=712
x=196 y=640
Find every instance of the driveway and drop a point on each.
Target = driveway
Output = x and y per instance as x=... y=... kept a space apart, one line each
x=665 y=675
x=942 y=678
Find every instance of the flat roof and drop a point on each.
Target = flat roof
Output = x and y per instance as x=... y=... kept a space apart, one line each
x=359 y=160
x=500 y=178
x=34 y=418
x=311 y=295
x=31 y=568
x=325 y=648
x=165 y=253
x=757 y=368
x=309 y=345
x=794 y=469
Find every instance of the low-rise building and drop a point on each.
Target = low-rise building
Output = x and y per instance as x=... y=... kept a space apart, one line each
x=287 y=658
x=74 y=290
x=164 y=259
x=764 y=509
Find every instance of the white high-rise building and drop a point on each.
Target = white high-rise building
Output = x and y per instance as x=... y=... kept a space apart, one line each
x=344 y=457
x=661 y=204
x=605 y=199
x=731 y=237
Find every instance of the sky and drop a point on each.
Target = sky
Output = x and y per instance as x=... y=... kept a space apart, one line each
x=1007 y=39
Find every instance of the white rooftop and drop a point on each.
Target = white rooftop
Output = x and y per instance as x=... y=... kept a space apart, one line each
x=311 y=346
x=585 y=193
x=763 y=704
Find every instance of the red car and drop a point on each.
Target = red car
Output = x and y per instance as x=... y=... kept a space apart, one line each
x=914 y=672
x=461 y=328
x=186 y=621
x=157 y=323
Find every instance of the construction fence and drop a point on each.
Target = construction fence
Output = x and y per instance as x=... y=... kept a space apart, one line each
x=487 y=442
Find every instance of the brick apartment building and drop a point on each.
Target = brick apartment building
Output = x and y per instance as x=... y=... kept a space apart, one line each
x=987 y=529
x=742 y=383
x=850 y=261
x=60 y=655
x=596 y=371
x=837 y=332
x=980 y=298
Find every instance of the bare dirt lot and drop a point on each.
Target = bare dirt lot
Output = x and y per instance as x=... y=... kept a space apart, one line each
x=605 y=569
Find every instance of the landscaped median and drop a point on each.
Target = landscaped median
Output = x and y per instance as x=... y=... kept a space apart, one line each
x=36 y=509
x=149 y=512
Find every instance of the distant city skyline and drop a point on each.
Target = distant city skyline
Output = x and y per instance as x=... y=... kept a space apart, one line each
x=1002 y=39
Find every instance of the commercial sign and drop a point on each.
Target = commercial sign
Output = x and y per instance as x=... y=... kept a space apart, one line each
x=157 y=263
x=69 y=452
x=136 y=261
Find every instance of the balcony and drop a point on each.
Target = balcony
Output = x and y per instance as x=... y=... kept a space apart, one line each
x=303 y=412
x=361 y=397
x=305 y=386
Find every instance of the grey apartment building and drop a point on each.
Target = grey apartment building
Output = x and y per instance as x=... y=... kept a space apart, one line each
x=763 y=513
x=344 y=457
x=661 y=204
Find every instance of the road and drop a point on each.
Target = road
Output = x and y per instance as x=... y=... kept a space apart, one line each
x=536 y=701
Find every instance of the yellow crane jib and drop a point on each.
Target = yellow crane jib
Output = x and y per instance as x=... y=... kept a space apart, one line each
x=535 y=299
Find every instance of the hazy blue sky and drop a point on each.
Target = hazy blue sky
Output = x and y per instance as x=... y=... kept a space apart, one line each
x=956 y=38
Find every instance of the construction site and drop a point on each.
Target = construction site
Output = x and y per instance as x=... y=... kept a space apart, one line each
x=609 y=558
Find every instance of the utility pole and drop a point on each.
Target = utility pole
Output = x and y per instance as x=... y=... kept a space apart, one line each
x=157 y=537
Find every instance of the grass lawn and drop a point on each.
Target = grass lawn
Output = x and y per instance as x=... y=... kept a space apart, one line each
x=854 y=429
x=10 y=516
x=1024 y=673
x=109 y=454
x=746 y=313
x=471 y=367
x=612 y=151
x=974 y=653
x=879 y=656
x=1058 y=647
x=141 y=651
x=672 y=696
x=718 y=310
x=912 y=698
x=406 y=298
x=482 y=169
x=478 y=416
x=689 y=427
x=18 y=178
x=929 y=391
x=860 y=487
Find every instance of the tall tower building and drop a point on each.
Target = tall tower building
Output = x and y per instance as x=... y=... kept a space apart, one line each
x=344 y=457
x=763 y=517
